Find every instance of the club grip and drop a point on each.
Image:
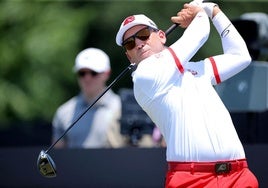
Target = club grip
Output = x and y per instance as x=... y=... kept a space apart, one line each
x=171 y=28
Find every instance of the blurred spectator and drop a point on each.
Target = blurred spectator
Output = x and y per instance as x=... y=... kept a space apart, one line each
x=99 y=127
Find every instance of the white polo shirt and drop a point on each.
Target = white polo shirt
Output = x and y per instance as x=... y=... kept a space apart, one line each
x=186 y=108
x=183 y=103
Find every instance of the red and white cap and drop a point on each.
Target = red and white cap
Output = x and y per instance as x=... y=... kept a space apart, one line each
x=93 y=59
x=131 y=21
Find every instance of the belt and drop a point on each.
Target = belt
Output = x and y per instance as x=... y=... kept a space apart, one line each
x=220 y=167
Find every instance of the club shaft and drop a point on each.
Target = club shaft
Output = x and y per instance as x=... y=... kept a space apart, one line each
x=92 y=104
x=126 y=70
x=171 y=28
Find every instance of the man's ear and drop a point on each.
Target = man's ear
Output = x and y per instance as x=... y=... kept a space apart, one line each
x=162 y=36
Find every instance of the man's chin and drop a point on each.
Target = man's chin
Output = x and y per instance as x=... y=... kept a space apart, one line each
x=145 y=55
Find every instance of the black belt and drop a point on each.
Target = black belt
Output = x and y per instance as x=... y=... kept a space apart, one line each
x=221 y=167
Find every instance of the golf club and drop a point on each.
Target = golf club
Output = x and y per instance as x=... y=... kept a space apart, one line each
x=45 y=164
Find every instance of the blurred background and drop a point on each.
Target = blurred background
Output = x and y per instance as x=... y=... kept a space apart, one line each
x=40 y=39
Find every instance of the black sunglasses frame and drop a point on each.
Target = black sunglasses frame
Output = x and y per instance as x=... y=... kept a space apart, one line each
x=130 y=43
x=82 y=74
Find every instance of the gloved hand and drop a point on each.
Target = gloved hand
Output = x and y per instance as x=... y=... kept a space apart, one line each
x=208 y=7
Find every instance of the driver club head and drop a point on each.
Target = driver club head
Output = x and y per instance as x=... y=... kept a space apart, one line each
x=46 y=165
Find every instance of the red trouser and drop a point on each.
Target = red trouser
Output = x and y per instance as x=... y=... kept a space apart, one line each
x=227 y=174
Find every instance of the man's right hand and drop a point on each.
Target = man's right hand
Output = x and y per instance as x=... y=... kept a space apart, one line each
x=186 y=15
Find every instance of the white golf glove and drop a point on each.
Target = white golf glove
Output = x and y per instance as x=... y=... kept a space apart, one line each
x=208 y=7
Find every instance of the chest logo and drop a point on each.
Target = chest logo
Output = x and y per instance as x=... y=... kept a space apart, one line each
x=192 y=71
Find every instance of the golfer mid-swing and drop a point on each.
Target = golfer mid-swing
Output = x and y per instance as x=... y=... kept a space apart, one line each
x=203 y=148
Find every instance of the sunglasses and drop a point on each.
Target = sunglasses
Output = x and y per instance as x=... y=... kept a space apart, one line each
x=83 y=73
x=142 y=34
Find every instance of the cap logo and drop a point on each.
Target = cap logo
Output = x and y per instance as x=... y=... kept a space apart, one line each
x=128 y=20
